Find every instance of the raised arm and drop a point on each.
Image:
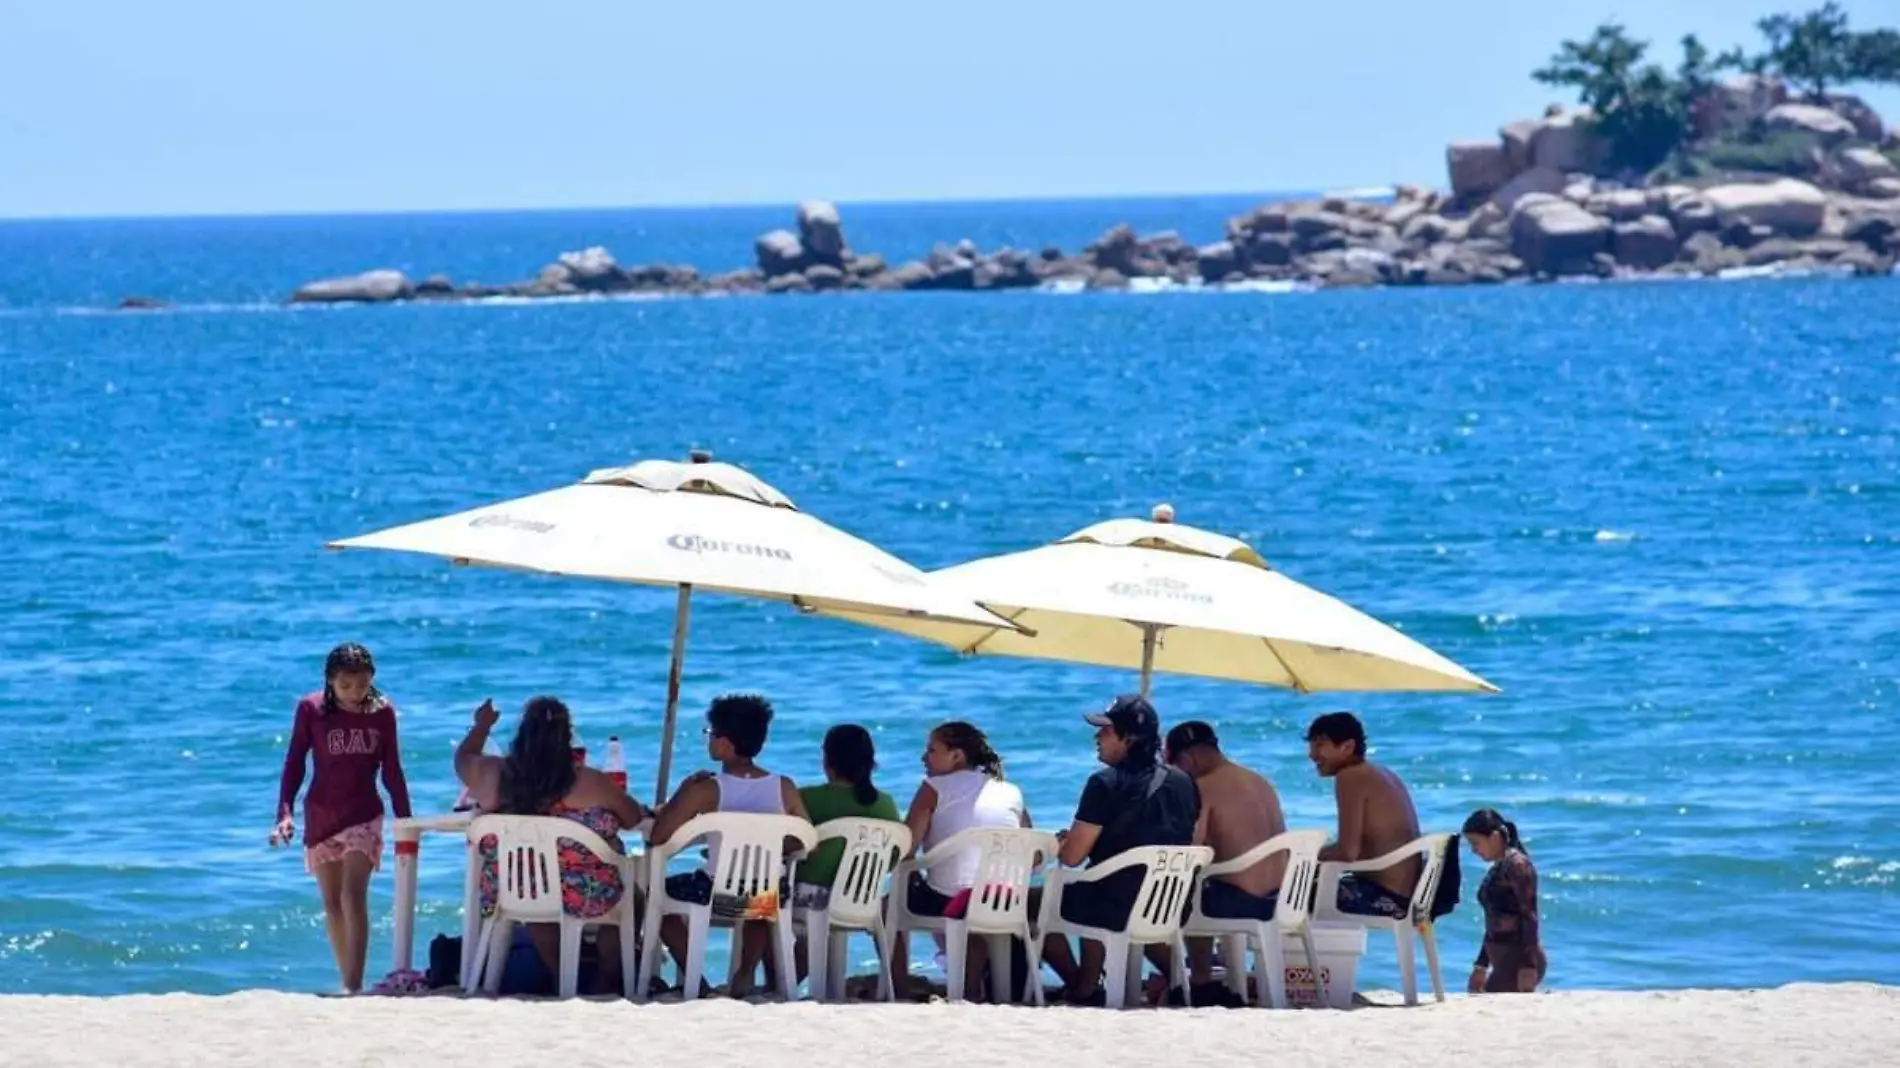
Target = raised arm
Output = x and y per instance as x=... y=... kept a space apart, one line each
x=468 y=755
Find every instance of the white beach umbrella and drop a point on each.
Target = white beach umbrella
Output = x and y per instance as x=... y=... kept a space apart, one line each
x=1158 y=596
x=697 y=525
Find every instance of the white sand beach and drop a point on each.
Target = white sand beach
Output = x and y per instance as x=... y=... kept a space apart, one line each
x=1848 y=1024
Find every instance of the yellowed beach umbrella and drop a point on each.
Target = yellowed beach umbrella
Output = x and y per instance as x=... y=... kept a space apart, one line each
x=695 y=526
x=1158 y=596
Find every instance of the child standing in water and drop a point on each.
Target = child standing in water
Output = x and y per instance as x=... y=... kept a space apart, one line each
x=348 y=734
x=1511 y=959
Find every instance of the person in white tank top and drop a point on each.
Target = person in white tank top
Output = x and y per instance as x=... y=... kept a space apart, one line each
x=963 y=788
x=736 y=728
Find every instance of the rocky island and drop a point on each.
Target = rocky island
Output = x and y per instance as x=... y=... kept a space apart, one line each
x=1660 y=173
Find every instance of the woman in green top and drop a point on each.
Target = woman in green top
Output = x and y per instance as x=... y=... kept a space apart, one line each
x=849 y=760
x=847 y=792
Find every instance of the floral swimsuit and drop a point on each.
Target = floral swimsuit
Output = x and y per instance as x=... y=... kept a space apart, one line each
x=590 y=886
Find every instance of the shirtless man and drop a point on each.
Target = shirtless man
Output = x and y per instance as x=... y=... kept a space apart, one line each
x=1375 y=817
x=1239 y=810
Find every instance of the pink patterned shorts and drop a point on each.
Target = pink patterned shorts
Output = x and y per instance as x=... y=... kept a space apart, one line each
x=364 y=838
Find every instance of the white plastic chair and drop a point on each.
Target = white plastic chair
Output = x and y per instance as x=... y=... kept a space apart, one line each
x=1009 y=857
x=528 y=878
x=1432 y=847
x=871 y=848
x=1292 y=915
x=747 y=852
x=1168 y=877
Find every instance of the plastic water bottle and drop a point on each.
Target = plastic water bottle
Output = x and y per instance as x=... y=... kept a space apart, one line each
x=615 y=763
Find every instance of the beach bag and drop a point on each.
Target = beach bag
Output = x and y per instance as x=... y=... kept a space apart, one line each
x=1450 y=882
x=445 y=961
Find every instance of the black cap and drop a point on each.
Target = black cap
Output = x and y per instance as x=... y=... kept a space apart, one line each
x=1131 y=715
x=1187 y=735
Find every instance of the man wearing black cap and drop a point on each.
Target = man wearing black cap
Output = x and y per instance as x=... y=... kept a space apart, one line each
x=1134 y=800
x=1239 y=810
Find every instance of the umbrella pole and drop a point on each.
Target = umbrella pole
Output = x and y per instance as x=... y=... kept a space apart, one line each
x=1149 y=634
x=681 y=614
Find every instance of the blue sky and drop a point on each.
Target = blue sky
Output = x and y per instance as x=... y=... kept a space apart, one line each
x=224 y=107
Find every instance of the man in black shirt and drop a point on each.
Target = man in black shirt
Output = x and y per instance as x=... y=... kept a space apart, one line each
x=1134 y=800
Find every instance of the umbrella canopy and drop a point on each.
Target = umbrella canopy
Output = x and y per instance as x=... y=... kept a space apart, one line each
x=696 y=525
x=1159 y=596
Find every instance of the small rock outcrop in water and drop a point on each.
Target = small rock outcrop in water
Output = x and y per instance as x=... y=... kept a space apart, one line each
x=1526 y=205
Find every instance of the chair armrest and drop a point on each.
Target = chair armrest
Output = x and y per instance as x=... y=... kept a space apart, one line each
x=1279 y=843
x=1393 y=859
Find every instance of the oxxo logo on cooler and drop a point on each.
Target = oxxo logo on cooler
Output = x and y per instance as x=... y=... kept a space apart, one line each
x=693 y=543
x=1161 y=589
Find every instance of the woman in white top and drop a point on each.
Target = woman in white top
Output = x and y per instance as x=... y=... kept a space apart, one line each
x=963 y=788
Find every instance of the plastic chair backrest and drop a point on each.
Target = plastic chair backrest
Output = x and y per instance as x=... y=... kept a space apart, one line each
x=871 y=848
x=1301 y=881
x=528 y=860
x=1007 y=860
x=1161 y=902
x=746 y=850
x=1427 y=889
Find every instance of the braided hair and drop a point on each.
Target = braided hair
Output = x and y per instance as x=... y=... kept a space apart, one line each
x=350 y=658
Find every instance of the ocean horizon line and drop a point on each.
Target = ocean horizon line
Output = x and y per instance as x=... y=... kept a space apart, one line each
x=1264 y=196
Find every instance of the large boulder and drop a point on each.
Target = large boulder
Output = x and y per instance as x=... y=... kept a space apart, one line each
x=1740 y=101
x=824 y=277
x=1535 y=180
x=1269 y=249
x=1692 y=213
x=1516 y=138
x=1554 y=236
x=370 y=287
x=1218 y=260
x=1822 y=122
x=1620 y=205
x=913 y=275
x=1567 y=143
x=1786 y=206
x=1876 y=230
x=778 y=253
x=821 y=232
x=1859 y=166
x=1425 y=229
x=1477 y=167
x=1006 y=269
x=1646 y=244
x=1884 y=189
x=1867 y=124
x=591 y=269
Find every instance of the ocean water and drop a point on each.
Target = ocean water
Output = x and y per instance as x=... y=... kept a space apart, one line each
x=1664 y=518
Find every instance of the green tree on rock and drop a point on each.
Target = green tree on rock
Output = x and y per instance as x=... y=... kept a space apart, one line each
x=1642 y=111
x=1817 y=51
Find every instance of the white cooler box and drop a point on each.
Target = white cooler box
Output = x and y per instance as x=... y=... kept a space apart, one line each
x=1339 y=945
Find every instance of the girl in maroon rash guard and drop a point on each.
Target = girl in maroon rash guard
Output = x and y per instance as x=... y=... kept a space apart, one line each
x=347 y=733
